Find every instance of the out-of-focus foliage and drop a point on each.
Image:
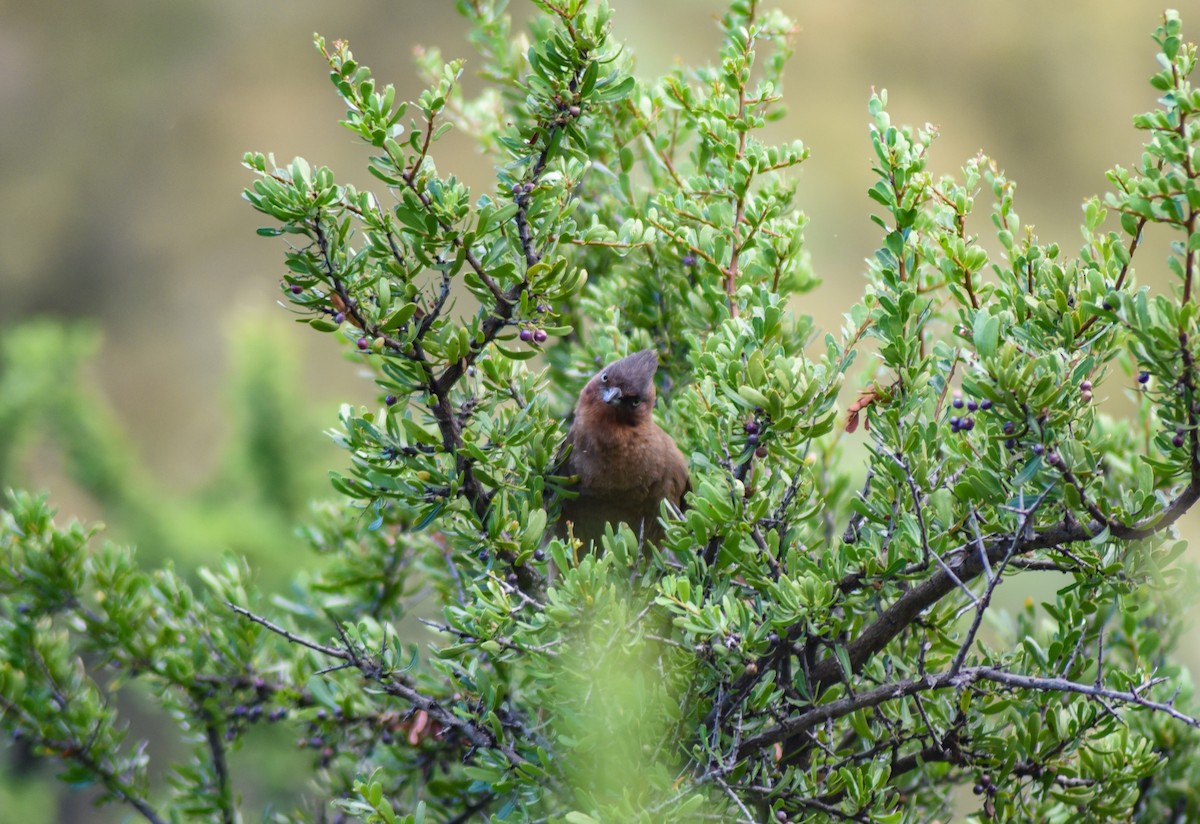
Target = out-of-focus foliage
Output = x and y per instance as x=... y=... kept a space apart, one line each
x=260 y=489
x=806 y=644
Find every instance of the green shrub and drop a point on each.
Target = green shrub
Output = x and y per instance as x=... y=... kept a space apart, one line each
x=817 y=636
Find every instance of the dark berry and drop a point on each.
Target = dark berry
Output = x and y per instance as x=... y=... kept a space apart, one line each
x=1038 y=449
x=752 y=440
x=968 y=424
x=761 y=452
x=977 y=789
x=957 y=403
x=1143 y=376
x=751 y=427
x=539 y=335
x=780 y=815
x=1086 y=386
x=1085 y=396
x=955 y=423
x=1177 y=441
x=1053 y=459
x=297 y=288
x=543 y=308
x=390 y=400
x=985 y=404
x=972 y=406
x=363 y=343
x=1009 y=427
x=482 y=554
x=277 y=714
x=526 y=335
x=1010 y=443
x=539 y=555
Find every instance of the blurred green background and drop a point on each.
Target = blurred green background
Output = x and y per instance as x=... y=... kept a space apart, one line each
x=124 y=123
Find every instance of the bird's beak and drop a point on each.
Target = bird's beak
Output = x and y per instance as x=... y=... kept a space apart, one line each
x=611 y=395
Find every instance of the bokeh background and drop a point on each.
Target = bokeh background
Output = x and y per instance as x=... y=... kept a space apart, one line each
x=122 y=126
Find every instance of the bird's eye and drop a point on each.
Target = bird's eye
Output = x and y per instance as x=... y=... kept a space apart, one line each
x=604 y=377
x=635 y=401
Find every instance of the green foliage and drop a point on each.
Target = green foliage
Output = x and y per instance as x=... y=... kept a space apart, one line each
x=261 y=483
x=807 y=643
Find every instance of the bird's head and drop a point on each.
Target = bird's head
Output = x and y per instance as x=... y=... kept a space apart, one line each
x=626 y=386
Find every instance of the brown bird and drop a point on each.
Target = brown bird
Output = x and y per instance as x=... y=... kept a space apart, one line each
x=627 y=465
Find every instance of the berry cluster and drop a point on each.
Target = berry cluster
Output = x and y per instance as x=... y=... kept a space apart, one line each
x=531 y=332
x=753 y=428
x=985 y=785
x=965 y=423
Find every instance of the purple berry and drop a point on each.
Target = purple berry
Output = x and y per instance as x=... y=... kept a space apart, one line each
x=1143 y=377
x=972 y=406
x=297 y=288
x=390 y=400
x=751 y=427
x=1010 y=443
x=1009 y=427
x=688 y=260
x=968 y=424
x=539 y=335
x=363 y=343
x=526 y=335
x=1038 y=449
x=1177 y=441
x=957 y=403
x=1086 y=386
x=985 y=404
x=1085 y=396
x=339 y=317
x=955 y=423
x=1053 y=459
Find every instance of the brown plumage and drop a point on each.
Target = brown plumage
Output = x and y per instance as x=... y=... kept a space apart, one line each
x=627 y=465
